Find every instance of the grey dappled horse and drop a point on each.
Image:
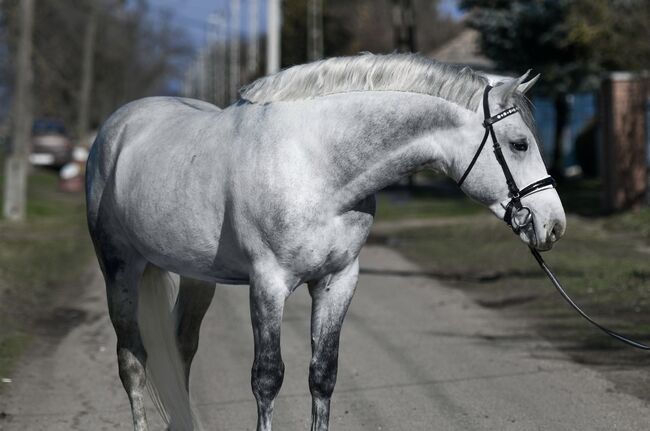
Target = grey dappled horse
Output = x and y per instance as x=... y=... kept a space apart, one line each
x=275 y=191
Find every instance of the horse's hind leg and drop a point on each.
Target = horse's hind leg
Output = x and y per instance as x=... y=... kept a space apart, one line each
x=331 y=297
x=194 y=298
x=122 y=275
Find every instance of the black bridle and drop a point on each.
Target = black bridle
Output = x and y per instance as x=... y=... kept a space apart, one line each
x=516 y=216
x=519 y=217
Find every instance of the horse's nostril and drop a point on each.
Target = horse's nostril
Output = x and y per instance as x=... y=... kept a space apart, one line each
x=556 y=232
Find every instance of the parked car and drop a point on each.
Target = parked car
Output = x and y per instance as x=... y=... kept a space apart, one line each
x=50 y=144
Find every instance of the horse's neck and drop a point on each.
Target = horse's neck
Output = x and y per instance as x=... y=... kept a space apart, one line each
x=374 y=141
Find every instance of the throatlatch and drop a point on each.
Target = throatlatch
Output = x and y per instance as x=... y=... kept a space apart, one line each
x=519 y=217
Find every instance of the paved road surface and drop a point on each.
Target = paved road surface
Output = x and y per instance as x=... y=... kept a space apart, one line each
x=415 y=356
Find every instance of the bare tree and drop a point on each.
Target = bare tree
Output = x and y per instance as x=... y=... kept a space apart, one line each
x=15 y=190
x=87 y=72
x=90 y=60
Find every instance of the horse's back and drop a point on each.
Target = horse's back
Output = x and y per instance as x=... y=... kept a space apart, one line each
x=138 y=117
x=130 y=125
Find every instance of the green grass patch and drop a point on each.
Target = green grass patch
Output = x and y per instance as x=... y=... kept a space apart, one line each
x=38 y=258
x=637 y=221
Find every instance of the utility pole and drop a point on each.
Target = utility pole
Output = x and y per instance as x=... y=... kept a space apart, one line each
x=218 y=53
x=222 y=59
x=202 y=79
x=315 y=30
x=404 y=37
x=273 y=48
x=235 y=36
x=252 y=62
x=211 y=47
x=87 y=71
x=404 y=26
x=15 y=190
x=188 y=82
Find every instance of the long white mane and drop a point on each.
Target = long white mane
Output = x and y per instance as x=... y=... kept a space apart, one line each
x=370 y=72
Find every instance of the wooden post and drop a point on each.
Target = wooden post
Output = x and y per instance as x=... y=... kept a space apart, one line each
x=16 y=163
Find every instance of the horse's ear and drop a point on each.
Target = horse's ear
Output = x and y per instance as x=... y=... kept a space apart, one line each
x=506 y=89
x=523 y=88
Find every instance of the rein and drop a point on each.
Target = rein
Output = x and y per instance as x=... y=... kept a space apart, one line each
x=519 y=217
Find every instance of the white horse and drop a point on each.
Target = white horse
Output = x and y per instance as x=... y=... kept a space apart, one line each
x=275 y=191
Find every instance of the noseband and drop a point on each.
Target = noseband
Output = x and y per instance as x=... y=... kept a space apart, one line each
x=516 y=216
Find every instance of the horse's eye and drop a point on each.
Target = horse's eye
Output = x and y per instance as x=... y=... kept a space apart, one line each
x=520 y=144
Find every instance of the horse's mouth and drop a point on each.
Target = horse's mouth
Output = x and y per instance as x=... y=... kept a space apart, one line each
x=529 y=237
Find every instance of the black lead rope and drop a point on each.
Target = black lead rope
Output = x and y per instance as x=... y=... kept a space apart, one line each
x=575 y=306
x=515 y=206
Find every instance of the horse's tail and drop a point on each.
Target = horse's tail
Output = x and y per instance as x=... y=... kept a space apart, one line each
x=165 y=369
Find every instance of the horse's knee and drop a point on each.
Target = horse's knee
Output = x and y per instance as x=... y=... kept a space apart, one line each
x=266 y=377
x=322 y=375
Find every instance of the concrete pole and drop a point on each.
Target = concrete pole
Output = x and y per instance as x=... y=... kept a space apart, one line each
x=273 y=48
x=16 y=163
x=188 y=82
x=315 y=45
x=235 y=37
x=212 y=48
x=202 y=66
x=252 y=62
x=222 y=57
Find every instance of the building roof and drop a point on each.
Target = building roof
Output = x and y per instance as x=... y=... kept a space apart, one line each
x=464 y=49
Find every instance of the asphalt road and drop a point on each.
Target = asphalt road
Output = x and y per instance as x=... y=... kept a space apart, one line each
x=415 y=355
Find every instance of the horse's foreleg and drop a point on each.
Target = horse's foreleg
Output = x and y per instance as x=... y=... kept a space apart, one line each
x=267 y=298
x=194 y=298
x=122 y=282
x=331 y=297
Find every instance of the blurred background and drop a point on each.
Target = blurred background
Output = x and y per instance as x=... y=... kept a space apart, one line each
x=66 y=65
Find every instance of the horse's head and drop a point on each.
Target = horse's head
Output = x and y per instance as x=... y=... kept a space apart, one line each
x=534 y=212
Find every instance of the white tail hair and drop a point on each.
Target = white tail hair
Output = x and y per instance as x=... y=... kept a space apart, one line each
x=165 y=369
